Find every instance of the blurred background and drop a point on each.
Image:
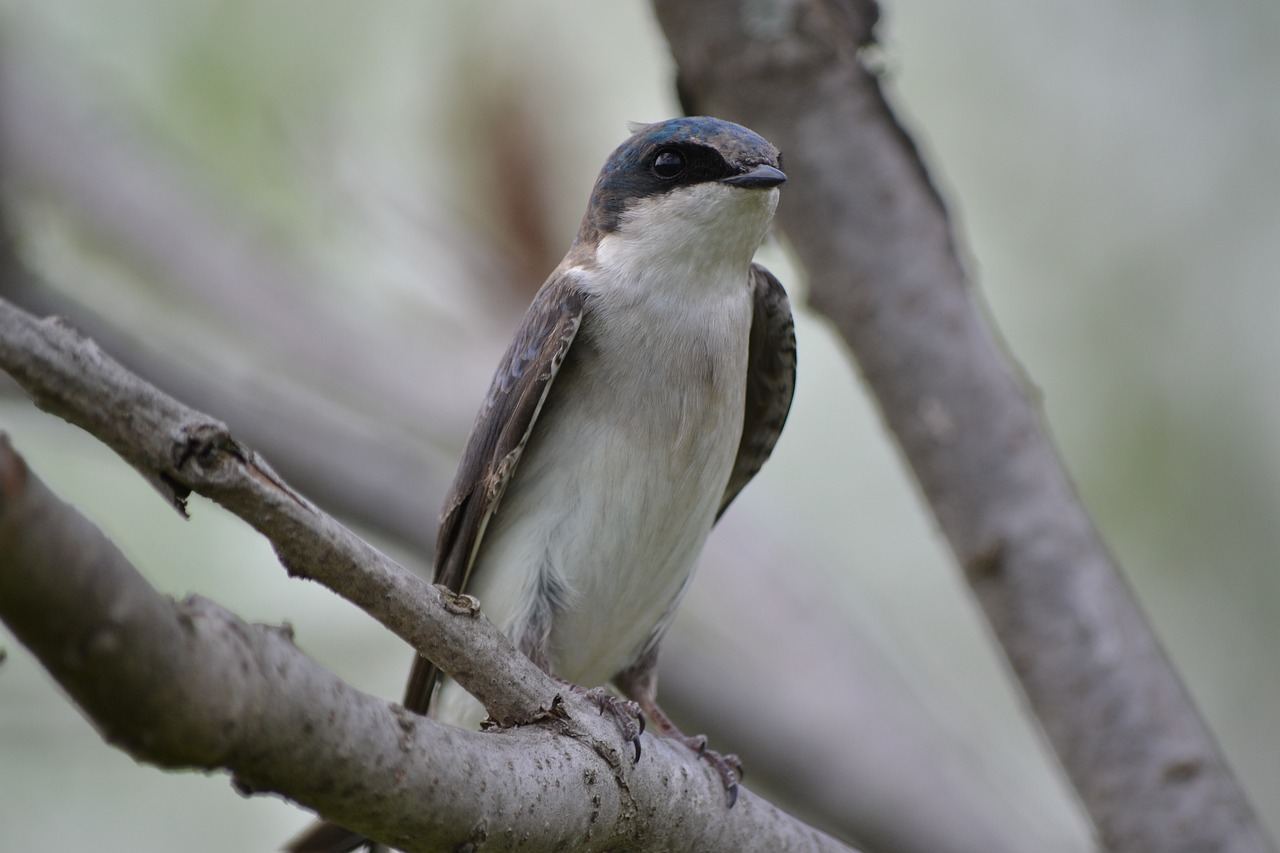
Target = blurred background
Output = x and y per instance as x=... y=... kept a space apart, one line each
x=413 y=171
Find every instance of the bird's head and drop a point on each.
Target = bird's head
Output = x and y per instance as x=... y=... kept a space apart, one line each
x=687 y=182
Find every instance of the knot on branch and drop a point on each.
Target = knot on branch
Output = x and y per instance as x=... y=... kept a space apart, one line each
x=205 y=445
x=459 y=604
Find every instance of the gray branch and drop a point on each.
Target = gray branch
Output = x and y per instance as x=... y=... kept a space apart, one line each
x=873 y=233
x=186 y=684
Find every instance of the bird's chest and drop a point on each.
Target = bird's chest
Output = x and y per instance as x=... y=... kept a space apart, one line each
x=648 y=420
x=664 y=385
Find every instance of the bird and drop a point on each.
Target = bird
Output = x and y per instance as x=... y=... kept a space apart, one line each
x=648 y=382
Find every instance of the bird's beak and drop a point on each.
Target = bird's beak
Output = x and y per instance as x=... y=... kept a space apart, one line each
x=760 y=178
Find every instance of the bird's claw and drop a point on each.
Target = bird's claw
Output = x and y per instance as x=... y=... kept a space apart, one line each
x=729 y=767
x=624 y=713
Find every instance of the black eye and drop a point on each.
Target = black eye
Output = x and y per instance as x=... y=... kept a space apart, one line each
x=668 y=164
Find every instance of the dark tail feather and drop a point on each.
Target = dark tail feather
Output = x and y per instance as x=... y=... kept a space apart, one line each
x=323 y=837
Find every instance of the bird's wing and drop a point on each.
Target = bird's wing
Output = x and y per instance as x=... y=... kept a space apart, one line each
x=771 y=380
x=498 y=437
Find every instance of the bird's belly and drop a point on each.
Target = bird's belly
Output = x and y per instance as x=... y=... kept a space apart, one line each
x=600 y=529
x=629 y=550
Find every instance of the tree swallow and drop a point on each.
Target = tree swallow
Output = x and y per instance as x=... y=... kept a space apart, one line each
x=646 y=385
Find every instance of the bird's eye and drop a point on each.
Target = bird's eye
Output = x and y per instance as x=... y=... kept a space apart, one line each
x=668 y=164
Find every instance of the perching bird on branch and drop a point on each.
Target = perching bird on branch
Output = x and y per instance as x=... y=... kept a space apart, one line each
x=646 y=385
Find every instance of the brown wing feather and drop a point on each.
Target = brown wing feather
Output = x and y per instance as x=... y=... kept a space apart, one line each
x=498 y=437
x=771 y=380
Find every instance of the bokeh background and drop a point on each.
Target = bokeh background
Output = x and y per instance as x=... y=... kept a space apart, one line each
x=1114 y=171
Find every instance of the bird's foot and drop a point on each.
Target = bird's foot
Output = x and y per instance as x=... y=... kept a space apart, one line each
x=729 y=767
x=624 y=713
x=640 y=682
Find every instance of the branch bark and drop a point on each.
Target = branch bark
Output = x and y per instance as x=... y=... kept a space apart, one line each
x=873 y=233
x=189 y=685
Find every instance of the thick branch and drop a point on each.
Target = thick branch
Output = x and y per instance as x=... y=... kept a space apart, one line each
x=875 y=238
x=187 y=684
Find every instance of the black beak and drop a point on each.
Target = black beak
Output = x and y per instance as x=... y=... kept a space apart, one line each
x=760 y=178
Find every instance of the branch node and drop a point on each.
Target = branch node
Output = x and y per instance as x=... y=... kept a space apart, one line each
x=459 y=604
x=557 y=711
x=204 y=443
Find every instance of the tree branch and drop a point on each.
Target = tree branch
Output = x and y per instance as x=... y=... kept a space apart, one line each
x=874 y=236
x=189 y=685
